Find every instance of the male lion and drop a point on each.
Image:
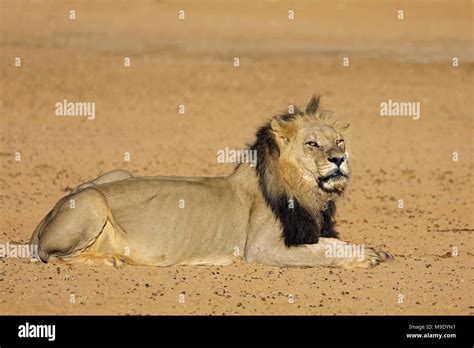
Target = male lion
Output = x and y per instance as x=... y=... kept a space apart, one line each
x=280 y=212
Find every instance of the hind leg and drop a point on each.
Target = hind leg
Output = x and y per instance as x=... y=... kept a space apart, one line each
x=94 y=259
x=114 y=175
x=73 y=225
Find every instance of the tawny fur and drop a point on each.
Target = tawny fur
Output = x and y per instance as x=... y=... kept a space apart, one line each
x=119 y=219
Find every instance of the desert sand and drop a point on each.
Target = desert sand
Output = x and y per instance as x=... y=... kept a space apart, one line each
x=426 y=163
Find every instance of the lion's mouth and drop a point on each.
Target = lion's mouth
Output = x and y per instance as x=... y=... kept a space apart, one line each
x=335 y=175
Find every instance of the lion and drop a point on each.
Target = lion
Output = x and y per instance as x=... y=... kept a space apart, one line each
x=278 y=212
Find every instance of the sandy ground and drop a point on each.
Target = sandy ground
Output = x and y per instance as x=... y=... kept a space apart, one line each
x=282 y=61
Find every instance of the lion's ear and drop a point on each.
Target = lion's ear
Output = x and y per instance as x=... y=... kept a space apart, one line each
x=283 y=131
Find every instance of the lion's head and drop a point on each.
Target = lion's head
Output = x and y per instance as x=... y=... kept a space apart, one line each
x=303 y=166
x=314 y=143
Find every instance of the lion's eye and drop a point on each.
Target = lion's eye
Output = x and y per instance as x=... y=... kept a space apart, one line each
x=340 y=142
x=312 y=144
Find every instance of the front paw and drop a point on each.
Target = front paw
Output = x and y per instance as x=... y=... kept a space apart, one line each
x=370 y=258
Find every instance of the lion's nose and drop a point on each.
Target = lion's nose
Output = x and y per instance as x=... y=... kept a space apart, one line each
x=337 y=160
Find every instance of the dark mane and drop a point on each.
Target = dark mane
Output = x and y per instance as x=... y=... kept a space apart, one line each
x=299 y=225
x=313 y=105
